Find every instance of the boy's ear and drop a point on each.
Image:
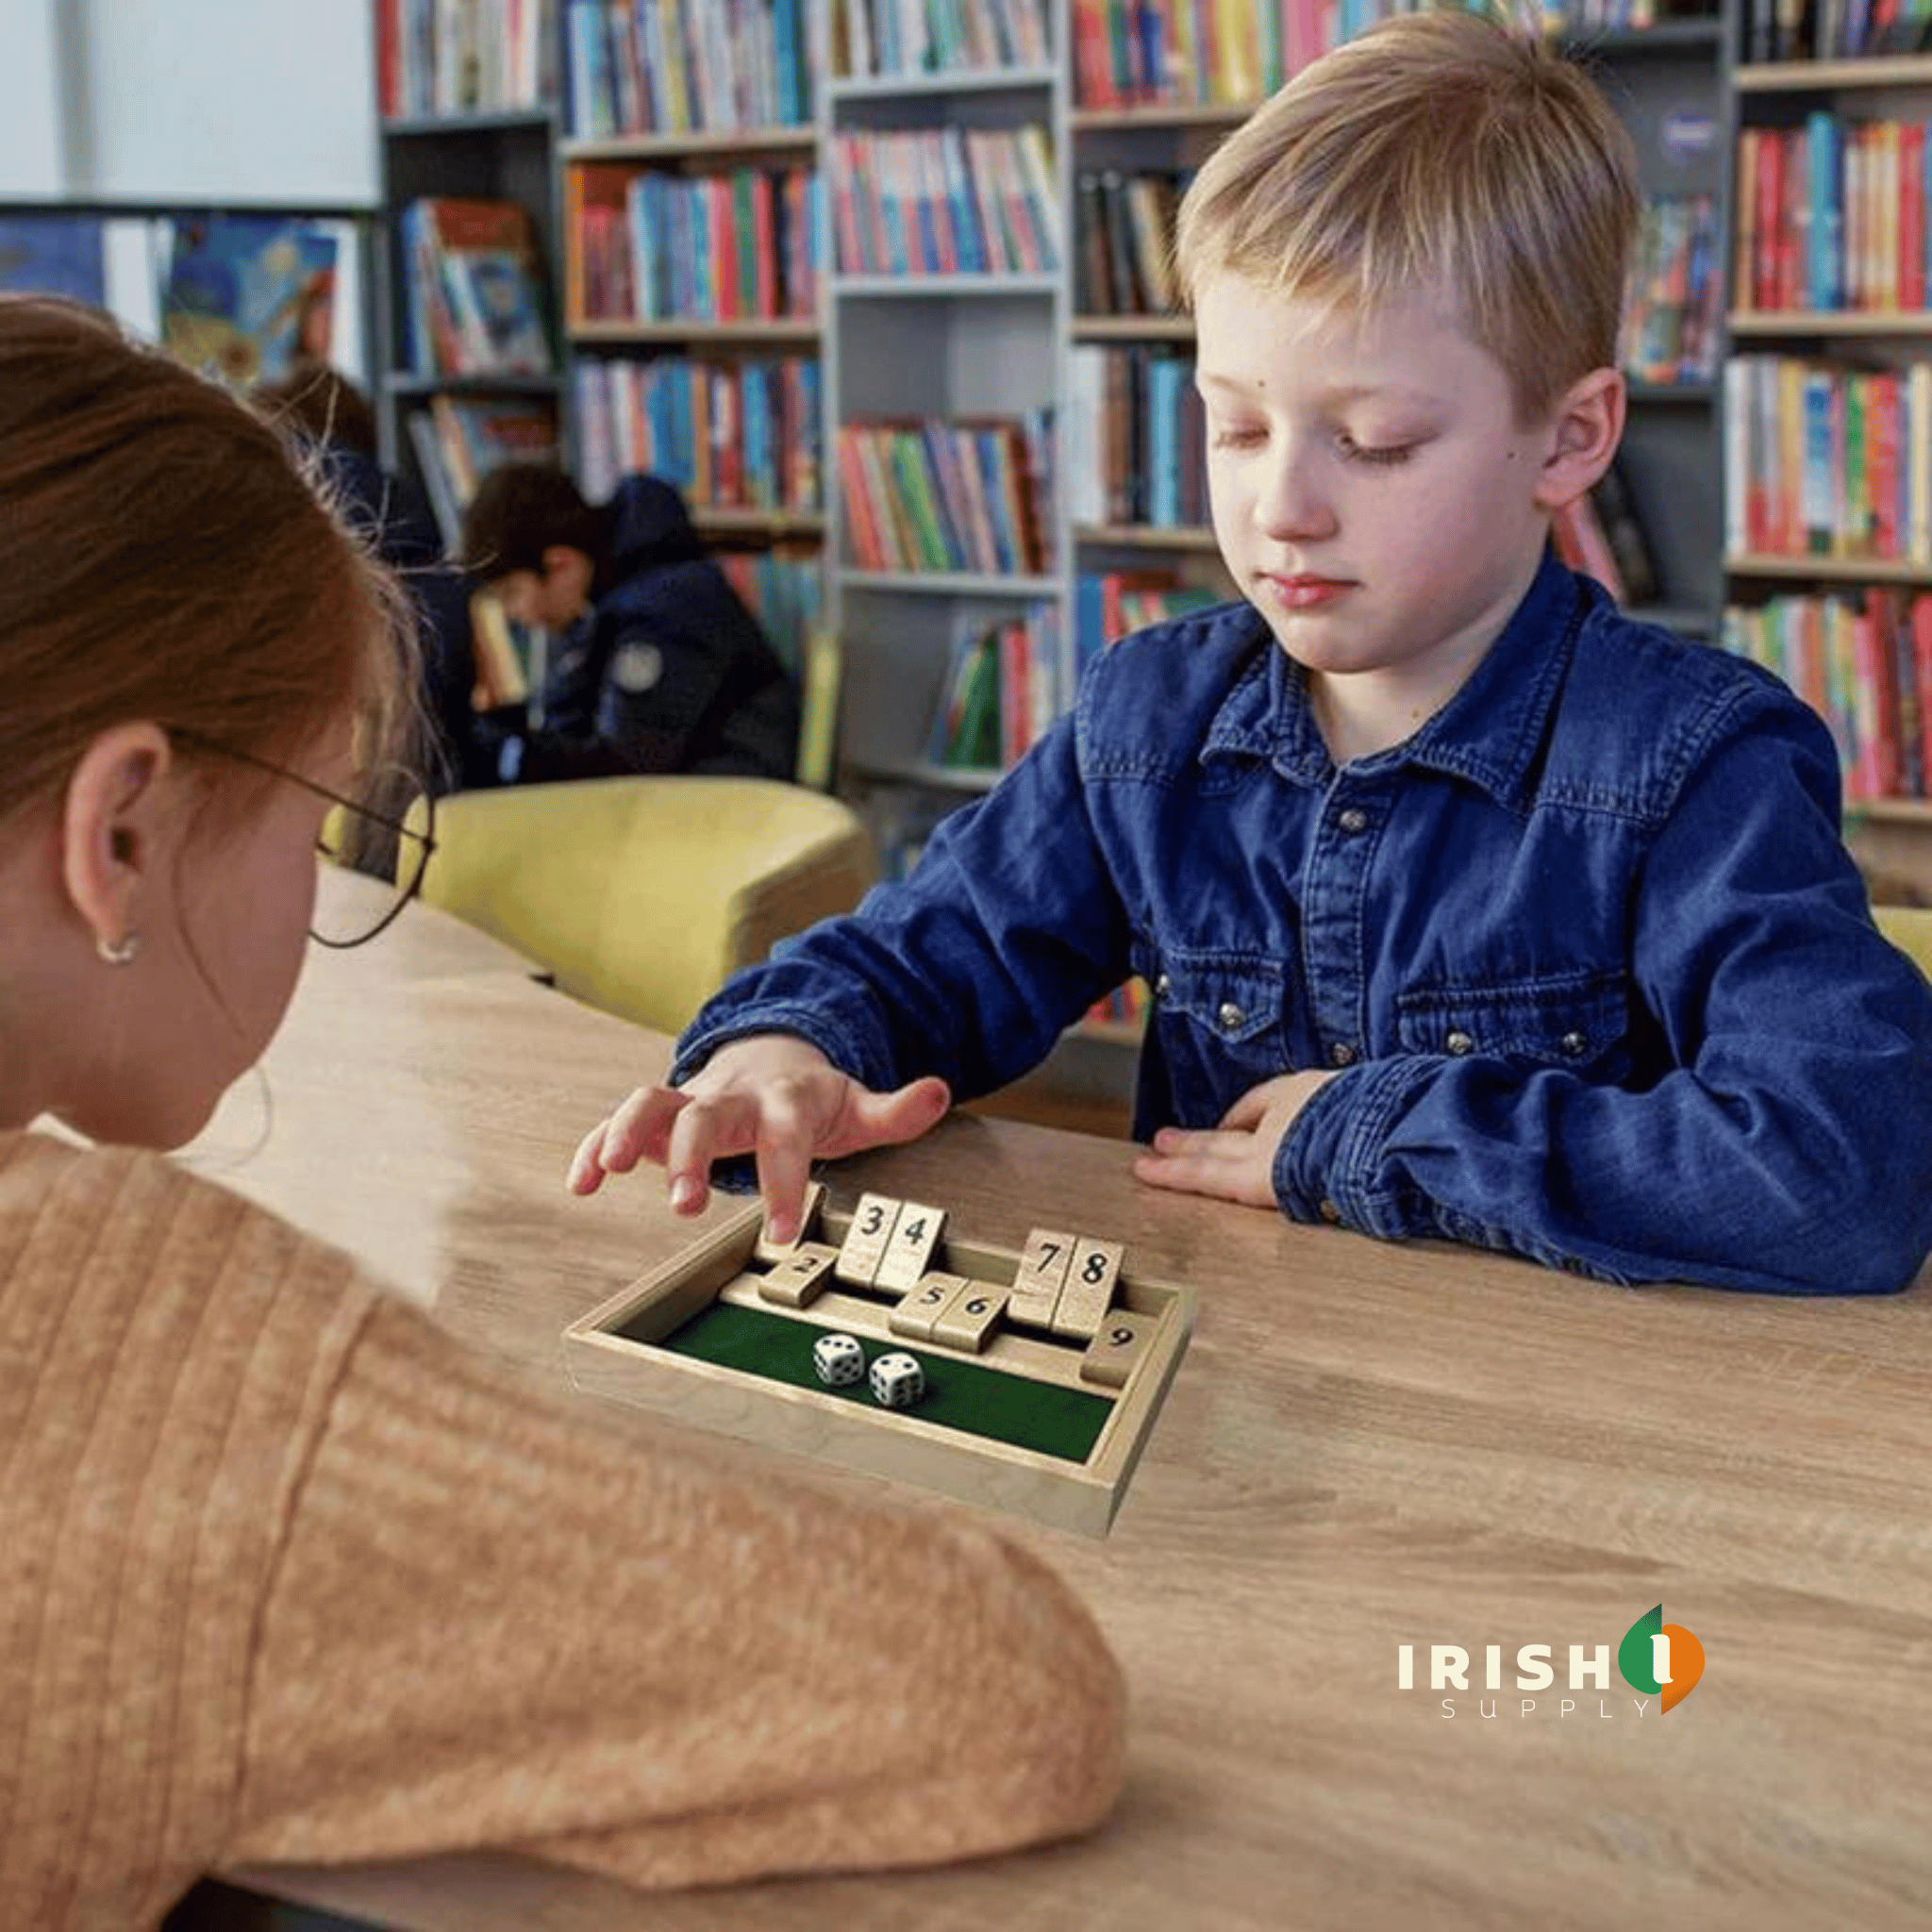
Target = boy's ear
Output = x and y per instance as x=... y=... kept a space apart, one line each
x=1586 y=428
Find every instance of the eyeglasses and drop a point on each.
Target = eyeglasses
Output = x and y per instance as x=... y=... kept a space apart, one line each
x=362 y=834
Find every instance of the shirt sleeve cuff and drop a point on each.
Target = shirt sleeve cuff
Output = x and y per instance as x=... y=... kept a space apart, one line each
x=1329 y=1166
x=844 y=1048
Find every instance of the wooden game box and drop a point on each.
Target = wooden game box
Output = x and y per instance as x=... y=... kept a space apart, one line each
x=1014 y=1426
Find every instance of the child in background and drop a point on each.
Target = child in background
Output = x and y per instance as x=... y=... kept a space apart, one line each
x=289 y=1576
x=1470 y=908
x=656 y=665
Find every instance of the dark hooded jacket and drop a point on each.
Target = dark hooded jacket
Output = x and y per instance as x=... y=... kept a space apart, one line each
x=666 y=671
x=393 y=513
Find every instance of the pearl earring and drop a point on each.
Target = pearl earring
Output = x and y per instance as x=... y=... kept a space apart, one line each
x=119 y=952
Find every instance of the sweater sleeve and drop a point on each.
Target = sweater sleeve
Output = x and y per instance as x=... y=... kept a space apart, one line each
x=500 y=1620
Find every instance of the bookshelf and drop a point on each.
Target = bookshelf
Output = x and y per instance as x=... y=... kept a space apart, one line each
x=1827 y=402
x=895 y=341
x=494 y=155
x=1665 y=82
x=966 y=413
x=692 y=279
x=917 y=342
x=912 y=343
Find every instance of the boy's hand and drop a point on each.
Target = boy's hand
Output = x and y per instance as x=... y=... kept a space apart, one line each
x=771 y=1094
x=1233 y=1161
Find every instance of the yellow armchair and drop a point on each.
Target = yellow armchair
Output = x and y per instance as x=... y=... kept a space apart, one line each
x=641 y=895
x=1909 y=928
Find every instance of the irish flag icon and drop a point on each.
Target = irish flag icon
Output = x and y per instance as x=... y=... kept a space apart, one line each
x=1664 y=1660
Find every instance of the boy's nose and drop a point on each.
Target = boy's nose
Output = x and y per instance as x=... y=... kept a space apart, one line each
x=1291 y=503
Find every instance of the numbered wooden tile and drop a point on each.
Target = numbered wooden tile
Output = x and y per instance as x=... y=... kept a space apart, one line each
x=916 y=1313
x=799 y=1275
x=864 y=1246
x=1037 y=1280
x=769 y=1250
x=1118 y=1348
x=909 y=1252
x=1093 y=1271
x=968 y=1319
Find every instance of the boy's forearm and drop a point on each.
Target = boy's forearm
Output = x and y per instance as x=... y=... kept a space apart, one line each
x=1680 y=1183
x=1009 y=931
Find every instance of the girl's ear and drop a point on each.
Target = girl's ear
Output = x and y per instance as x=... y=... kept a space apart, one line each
x=111 y=823
x=1586 y=428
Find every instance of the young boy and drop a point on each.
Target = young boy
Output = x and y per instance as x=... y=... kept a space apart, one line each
x=657 y=665
x=1470 y=908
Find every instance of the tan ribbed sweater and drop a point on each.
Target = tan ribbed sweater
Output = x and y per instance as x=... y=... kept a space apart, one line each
x=287 y=1574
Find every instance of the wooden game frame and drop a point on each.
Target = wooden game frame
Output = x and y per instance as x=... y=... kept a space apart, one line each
x=1051 y=1490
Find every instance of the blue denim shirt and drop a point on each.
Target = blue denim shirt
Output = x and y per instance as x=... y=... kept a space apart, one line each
x=1588 y=949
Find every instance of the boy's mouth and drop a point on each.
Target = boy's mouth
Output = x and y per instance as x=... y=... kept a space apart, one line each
x=1302 y=591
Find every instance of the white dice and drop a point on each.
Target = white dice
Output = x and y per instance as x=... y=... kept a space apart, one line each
x=897 y=1381
x=838 y=1361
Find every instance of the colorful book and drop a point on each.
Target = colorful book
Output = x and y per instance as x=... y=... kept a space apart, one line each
x=248 y=296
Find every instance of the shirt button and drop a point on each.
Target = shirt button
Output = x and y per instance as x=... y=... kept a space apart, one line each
x=1352 y=819
x=1330 y=1213
x=1458 y=1042
x=1230 y=1016
x=1341 y=1055
x=1573 y=1044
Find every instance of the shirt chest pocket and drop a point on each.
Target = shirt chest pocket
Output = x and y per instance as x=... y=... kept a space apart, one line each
x=1577 y=1020
x=1220 y=1015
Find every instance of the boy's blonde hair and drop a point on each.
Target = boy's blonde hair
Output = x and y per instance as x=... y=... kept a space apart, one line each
x=1439 y=151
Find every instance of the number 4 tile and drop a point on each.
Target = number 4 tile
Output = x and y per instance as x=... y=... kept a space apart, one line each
x=909 y=1251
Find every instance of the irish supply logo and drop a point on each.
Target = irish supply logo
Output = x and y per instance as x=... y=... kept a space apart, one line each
x=1660 y=1662
x=1663 y=1659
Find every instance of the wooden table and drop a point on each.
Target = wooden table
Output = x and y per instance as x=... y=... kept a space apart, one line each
x=1368 y=1445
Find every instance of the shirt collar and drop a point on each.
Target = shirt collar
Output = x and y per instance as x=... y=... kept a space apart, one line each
x=1488 y=732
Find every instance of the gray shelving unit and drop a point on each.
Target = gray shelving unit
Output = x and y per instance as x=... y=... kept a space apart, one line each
x=930 y=346
x=1666 y=83
x=502 y=154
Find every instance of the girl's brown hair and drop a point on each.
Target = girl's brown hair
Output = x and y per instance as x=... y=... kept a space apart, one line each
x=1442 y=154
x=163 y=556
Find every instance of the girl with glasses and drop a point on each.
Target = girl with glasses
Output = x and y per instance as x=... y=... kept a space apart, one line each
x=288 y=1575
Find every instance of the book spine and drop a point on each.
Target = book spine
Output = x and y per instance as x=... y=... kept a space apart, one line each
x=1911 y=216
x=1909 y=729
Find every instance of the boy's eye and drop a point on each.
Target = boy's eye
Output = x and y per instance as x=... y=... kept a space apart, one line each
x=1385 y=455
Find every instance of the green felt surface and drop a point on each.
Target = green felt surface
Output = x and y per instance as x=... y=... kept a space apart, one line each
x=963 y=1396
